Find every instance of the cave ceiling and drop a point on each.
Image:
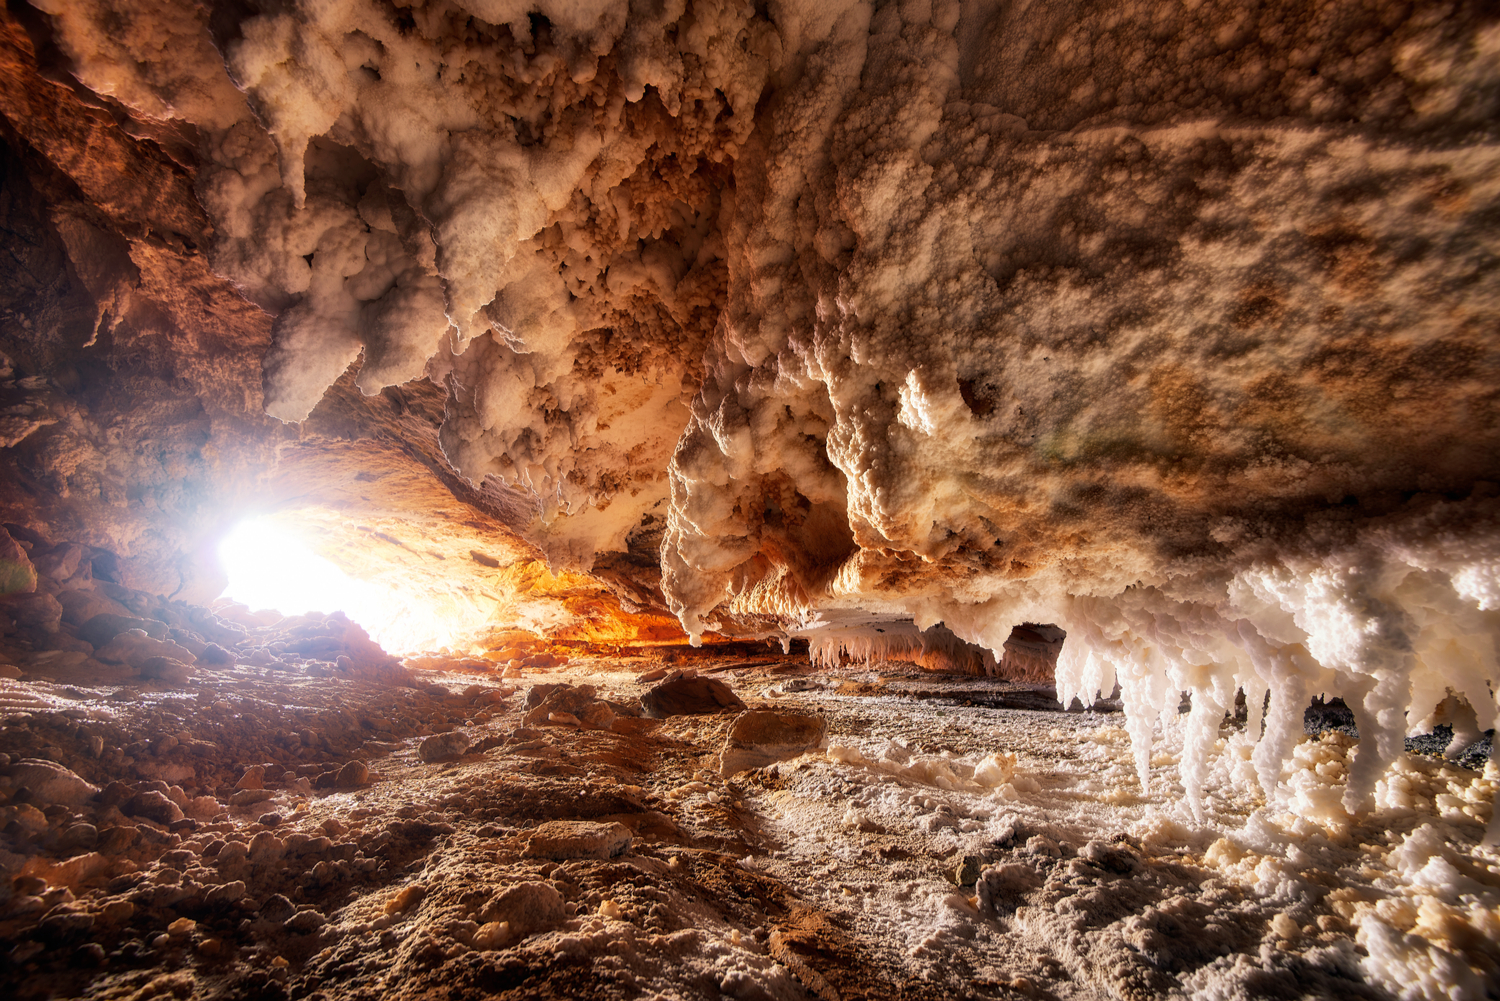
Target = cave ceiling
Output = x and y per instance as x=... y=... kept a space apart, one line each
x=740 y=315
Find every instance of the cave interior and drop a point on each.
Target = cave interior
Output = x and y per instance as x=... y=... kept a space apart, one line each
x=701 y=499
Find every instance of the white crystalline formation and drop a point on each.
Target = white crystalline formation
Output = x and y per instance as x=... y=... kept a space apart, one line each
x=1169 y=324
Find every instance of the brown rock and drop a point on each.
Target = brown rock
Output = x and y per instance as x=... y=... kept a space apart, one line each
x=760 y=738
x=102 y=628
x=166 y=669
x=689 y=697
x=443 y=747
x=254 y=778
x=17 y=575
x=134 y=647
x=34 y=613
x=152 y=805
x=80 y=605
x=570 y=839
x=50 y=783
x=355 y=773
x=249 y=797
x=526 y=907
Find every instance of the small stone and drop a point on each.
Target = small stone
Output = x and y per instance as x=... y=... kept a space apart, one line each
x=225 y=894
x=355 y=773
x=966 y=873
x=29 y=885
x=182 y=927
x=443 y=747
x=277 y=908
x=65 y=923
x=572 y=839
x=492 y=935
x=254 y=778
x=266 y=847
x=269 y=819
x=89 y=954
x=117 y=912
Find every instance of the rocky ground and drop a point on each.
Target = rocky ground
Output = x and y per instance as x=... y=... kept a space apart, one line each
x=264 y=831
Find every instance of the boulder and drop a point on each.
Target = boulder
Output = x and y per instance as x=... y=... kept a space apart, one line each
x=166 y=669
x=152 y=805
x=569 y=839
x=50 y=783
x=443 y=747
x=134 y=647
x=694 y=696
x=759 y=738
x=17 y=575
x=526 y=907
x=355 y=773
x=31 y=613
x=82 y=604
x=214 y=655
x=62 y=562
x=566 y=704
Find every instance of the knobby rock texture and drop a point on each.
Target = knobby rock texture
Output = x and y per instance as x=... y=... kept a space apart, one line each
x=1167 y=327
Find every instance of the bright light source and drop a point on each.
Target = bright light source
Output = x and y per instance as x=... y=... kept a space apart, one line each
x=270 y=566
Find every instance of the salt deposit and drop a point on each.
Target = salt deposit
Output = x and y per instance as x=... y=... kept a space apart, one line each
x=895 y=326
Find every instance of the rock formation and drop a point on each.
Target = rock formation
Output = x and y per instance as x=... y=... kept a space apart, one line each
x=1146 y=347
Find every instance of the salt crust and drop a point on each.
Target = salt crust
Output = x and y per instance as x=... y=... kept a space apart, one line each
x=1408 y=881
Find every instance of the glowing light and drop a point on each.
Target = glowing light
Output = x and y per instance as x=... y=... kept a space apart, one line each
x=270 y=565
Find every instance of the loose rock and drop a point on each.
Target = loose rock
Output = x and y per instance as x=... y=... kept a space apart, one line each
x=695 y=696
x=571 y=839
x=760 y=738
x=443 y=747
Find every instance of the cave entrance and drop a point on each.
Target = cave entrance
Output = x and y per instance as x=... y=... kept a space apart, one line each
x=273 y=563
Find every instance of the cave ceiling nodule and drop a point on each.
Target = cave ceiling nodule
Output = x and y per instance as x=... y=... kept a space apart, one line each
x=1171 y=324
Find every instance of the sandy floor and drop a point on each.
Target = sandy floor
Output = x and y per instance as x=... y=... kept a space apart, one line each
x=910 y=858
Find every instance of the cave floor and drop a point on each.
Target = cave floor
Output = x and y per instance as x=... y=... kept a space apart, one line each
x=848 y=872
